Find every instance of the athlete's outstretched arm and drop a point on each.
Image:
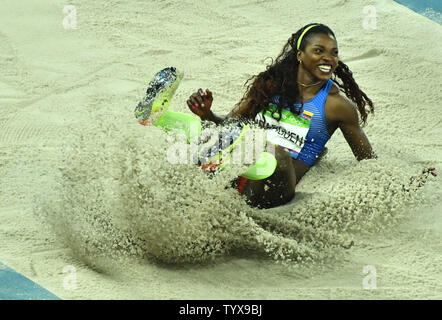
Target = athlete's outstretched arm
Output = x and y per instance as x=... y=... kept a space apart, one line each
x=353 y=133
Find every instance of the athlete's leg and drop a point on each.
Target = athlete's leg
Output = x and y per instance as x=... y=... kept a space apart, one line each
x=153 y=110
x=275 y=190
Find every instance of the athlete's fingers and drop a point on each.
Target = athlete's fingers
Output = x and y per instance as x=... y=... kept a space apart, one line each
x=201 y=97
x=190 y=102
x=191 y=106
x=198 y=99
x=194 y=107
x=194 y=100
x=207 y=95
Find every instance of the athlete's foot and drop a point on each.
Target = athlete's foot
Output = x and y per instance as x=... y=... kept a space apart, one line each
x=158 y=96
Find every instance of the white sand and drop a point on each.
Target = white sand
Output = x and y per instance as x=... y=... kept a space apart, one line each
x=83 y=185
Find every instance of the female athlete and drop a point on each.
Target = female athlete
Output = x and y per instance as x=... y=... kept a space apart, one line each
x=302 y=98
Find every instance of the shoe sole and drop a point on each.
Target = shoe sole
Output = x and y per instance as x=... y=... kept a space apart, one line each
x=158 y=95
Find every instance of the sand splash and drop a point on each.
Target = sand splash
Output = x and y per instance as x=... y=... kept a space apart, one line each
x=119 y=197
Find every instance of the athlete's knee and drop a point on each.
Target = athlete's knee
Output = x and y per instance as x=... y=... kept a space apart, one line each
x=271 y=192
x=283 y=159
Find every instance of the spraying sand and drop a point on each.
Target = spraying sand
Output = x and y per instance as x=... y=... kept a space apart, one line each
x=85 y=188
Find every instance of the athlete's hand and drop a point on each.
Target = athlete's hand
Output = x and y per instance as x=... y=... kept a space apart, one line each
x=200 y=103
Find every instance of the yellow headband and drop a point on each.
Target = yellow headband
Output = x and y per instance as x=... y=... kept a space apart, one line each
x=303 y=33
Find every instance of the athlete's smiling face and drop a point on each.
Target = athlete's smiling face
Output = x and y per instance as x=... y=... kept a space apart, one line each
x=320 y=55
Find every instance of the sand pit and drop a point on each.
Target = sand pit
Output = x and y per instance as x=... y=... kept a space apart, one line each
x=87 y=192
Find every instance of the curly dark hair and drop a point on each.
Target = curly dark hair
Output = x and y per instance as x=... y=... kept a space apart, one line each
x=280 y=78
